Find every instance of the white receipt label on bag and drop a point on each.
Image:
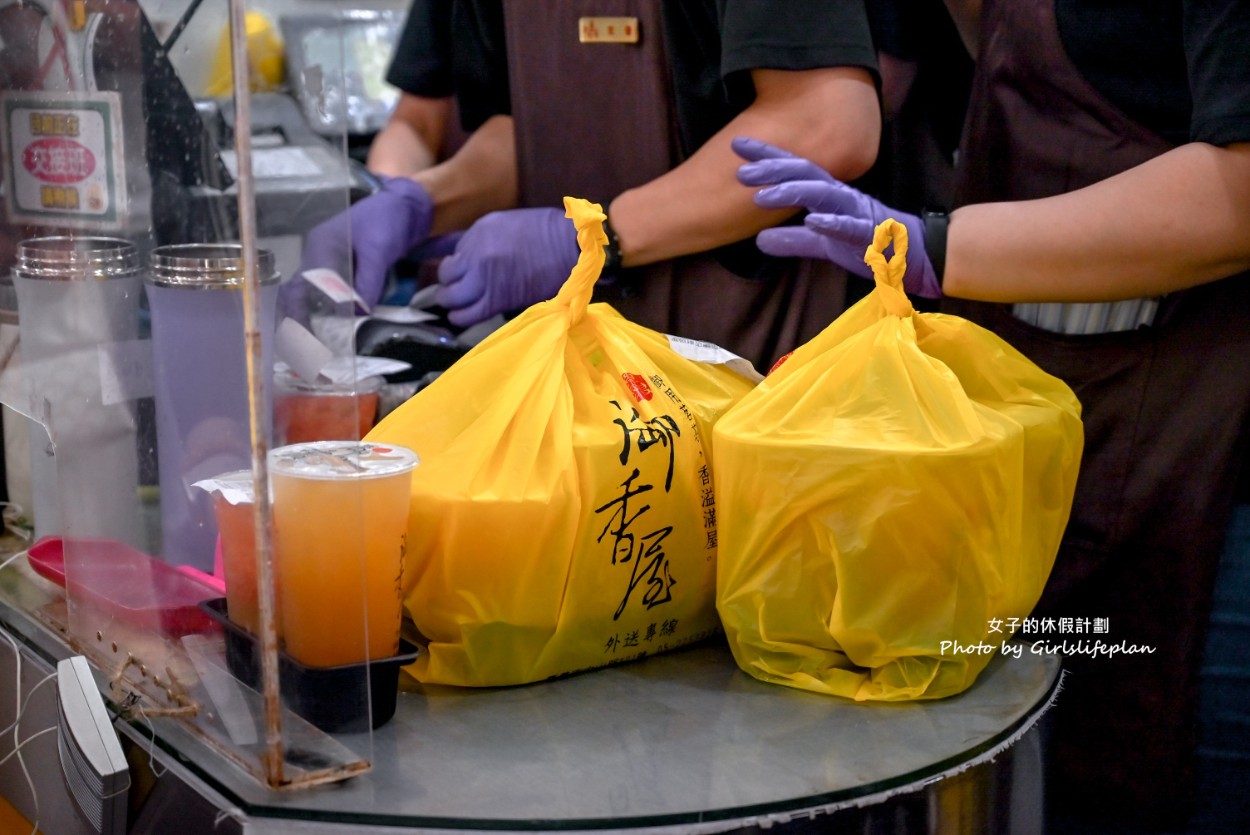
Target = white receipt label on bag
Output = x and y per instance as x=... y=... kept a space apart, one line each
x=693 y=349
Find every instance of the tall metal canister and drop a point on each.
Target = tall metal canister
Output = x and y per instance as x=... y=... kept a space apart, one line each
x=78 y=309
x=195 y=292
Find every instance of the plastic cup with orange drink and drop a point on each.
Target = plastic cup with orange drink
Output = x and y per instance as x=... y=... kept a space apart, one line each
x=323 y=410
x=340 y=512
x=233 y=507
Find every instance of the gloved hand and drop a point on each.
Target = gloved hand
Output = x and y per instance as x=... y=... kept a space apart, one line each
x=840 y=221
x=374 y=233
x=505 y=261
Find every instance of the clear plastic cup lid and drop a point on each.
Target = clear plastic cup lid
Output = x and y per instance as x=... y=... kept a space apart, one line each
x=287 y=381
x=341 y=459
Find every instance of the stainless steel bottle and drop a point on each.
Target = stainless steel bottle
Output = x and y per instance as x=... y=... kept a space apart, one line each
x=78 y=309
x=195 y=292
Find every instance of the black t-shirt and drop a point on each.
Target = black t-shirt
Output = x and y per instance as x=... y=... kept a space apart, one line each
x=422 y=61
x=1178 y=67
x=711 y=44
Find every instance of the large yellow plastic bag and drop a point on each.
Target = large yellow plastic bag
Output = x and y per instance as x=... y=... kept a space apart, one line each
x=888 y=494
x=563 y=517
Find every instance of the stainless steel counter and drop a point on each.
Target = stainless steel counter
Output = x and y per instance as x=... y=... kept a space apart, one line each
x=683 y=742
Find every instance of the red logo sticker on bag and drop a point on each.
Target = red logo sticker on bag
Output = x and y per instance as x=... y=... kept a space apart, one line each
x=778 y=363
x=637 y=386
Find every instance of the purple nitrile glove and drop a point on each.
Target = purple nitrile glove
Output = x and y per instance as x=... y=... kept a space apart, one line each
x=371 y=236
x=505 y=261
x=841 y=220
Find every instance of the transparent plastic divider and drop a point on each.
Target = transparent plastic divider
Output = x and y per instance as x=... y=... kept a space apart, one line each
x=114 y=142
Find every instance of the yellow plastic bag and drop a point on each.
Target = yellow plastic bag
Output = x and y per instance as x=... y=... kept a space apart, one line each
x=888 y=494
x=562 y=516
x=266 y=58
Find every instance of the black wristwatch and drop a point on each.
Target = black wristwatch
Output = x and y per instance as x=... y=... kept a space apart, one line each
x=935 y=224
x=611 y=255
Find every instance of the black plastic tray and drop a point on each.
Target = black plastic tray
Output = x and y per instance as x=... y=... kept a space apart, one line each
x=335 y=699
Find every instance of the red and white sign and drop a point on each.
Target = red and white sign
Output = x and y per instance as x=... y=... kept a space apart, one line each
x=63 y=158
x=58 y=160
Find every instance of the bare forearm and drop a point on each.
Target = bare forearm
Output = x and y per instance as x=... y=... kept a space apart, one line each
x=831 y=116
x=410 y=140
x=1179 y=220
x=480 y=178
x=397 y=151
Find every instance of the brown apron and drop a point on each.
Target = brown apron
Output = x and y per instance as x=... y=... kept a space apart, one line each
x=1164 y=407
x=595 y=119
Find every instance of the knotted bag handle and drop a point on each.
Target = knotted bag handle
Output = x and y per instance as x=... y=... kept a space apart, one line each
x=889 y=274
x=588 y=219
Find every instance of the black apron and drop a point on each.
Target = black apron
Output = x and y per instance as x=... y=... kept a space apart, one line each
x=1164 y=406
x=595 y=119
